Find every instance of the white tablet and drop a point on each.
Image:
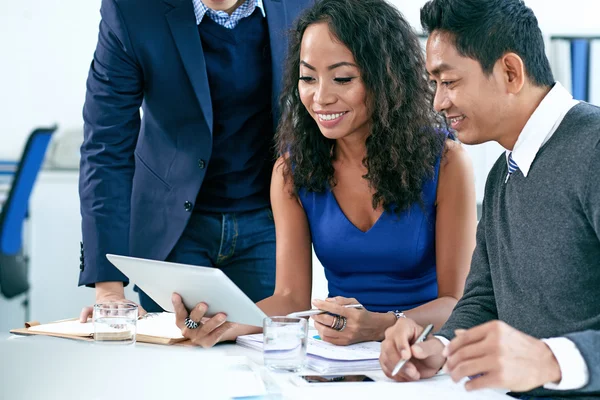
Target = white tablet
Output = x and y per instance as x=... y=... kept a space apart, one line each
x=159 y=279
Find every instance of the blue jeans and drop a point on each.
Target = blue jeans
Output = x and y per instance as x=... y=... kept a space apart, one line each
x=241 y=244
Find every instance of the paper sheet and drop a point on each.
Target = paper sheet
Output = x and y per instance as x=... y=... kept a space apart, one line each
x=154 y=324
x=72 y=327
x=159 y=325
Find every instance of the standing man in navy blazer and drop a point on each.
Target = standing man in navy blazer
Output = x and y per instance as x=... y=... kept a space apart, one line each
x=187 y=180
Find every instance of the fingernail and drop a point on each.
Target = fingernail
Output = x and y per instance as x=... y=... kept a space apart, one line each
x=411 y=372
x=316 y=301
x=445 y=368
x=222 y=317
x=417 y=350
x=445 y=352
x=174 y=298
x=405 y=354
x=459 y=332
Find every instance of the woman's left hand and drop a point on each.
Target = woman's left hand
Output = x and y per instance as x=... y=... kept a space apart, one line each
x=361 y=325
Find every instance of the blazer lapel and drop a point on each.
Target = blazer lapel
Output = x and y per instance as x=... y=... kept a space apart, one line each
x=278 y=31
x=183 y=26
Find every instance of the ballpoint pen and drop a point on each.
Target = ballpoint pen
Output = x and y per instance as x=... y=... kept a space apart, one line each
x=420 y=339
x=316 y=311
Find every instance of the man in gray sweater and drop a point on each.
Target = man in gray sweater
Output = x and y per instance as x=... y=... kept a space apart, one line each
x=529 y=320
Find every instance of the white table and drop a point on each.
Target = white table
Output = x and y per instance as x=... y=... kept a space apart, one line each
x=50 y=368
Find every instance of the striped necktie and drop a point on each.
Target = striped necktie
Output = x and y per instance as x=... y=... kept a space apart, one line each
x=512 y=166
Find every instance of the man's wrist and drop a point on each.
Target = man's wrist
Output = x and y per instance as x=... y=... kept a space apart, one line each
x=115 y=289
x=552 y=372
x=573 y=367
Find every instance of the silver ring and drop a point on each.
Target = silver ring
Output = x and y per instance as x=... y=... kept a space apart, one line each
x=191 y=324
x=336 y=321
x=339 y=323
x=344 y=321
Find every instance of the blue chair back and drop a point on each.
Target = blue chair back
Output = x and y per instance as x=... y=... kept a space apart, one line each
x=15 y=208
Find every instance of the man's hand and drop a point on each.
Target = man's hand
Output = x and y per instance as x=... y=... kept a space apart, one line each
x=107 y=292
x=425 y=358
x=209 y=332
x=499 y=356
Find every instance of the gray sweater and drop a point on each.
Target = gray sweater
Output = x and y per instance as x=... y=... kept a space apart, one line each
x=537 y=261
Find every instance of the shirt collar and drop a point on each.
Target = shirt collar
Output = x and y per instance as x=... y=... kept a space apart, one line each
x=200 y=9
x=541 y=125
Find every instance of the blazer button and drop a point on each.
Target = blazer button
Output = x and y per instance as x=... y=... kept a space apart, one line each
x=188 y=206
x=201 y=164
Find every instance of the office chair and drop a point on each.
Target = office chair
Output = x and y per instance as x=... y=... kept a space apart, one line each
x=13 y=261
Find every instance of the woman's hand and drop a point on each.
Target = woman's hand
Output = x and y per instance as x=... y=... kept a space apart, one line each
x=209 y=332
x=361 y=325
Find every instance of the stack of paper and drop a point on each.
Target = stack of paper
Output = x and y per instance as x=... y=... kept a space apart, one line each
x=325 y=357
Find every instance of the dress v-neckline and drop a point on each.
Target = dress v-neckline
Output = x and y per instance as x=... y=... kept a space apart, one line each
x=348 y=219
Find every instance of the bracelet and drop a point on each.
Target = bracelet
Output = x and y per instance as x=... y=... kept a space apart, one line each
x=398 y=314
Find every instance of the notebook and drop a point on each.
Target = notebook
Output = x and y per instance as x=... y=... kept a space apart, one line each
x=159 y=328
x=326 y=358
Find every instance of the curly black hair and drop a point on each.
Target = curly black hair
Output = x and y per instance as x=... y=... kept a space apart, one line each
x=404 y=143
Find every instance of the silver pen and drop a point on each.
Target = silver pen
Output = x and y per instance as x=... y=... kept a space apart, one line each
x=316 y=311
x=420 y=339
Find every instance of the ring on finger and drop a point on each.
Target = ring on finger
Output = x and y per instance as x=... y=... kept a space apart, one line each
x=340 y=325
x=335 y=322
x=344 y=322
x=191 y=324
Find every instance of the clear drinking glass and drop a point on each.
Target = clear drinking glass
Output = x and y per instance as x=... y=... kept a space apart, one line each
x=284 y=343
x=115 y=322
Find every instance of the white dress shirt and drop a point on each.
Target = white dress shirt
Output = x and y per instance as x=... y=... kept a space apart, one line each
x=540 y=127
x=537 y=131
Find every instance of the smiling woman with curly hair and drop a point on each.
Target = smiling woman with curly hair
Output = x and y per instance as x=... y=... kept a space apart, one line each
x=401 y=148
x=368 y=177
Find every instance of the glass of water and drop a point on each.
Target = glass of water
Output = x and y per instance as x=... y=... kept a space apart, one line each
x=115 y=322
x=284 y=343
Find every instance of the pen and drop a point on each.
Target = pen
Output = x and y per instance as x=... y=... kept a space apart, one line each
x=316 y=311
x=420 y=339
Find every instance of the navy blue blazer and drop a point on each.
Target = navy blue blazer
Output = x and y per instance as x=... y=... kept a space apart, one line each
x=140 y=177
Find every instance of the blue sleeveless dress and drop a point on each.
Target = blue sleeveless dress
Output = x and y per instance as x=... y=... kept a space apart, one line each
x=392 y=266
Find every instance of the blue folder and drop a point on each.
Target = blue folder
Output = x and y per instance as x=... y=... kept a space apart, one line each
x=580 y=61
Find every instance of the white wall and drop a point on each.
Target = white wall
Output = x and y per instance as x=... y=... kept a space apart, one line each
x=47 y=46
x=554 y=16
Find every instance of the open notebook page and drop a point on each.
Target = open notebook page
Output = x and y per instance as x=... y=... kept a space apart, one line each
x=153 y=324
